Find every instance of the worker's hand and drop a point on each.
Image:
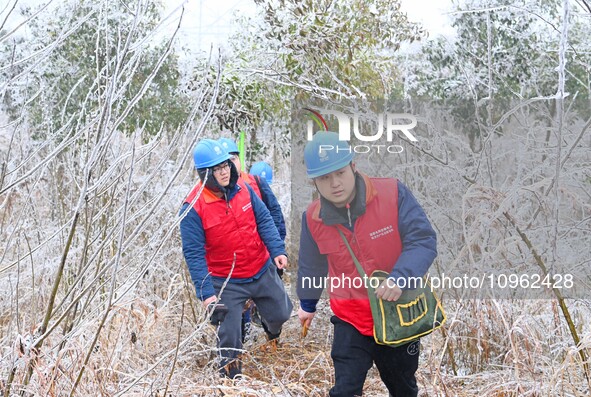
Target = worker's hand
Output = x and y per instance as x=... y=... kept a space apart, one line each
x=216 y=312
x=209 y=300
x=281 y=261
x=388 y=290
x=305 y=317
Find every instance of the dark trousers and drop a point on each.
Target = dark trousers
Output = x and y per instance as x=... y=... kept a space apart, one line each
x=268 y=292
x=353 y=354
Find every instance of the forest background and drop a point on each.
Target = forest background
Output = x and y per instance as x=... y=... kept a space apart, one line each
x=102 y=104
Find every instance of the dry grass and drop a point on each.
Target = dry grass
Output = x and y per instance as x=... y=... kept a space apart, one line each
x=500 y=349
x=154 y=339
x=158 y=341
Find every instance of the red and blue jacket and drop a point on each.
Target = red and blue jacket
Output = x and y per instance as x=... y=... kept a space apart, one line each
x=215 y=232
x=387 y=230
x=263 y=190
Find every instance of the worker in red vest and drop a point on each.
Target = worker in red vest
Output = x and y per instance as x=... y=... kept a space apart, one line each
x=263 y=190
x=232 y=249
x=259 y=185
x=387 y=230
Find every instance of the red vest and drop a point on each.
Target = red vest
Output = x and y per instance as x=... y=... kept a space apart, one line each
x=230 y=228
x=252 y=183
x=375 y=242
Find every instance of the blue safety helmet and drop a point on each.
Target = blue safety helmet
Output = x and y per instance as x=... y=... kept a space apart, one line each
x=208 y=153
x=325 y=153
x=263 y=170
x=229 y=145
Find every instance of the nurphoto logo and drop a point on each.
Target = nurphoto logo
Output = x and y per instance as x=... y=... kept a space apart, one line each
x=392 y=123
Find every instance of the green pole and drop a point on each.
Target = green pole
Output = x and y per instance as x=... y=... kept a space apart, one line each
x=241 y=147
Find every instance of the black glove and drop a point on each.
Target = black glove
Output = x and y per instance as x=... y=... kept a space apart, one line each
x=217 y=312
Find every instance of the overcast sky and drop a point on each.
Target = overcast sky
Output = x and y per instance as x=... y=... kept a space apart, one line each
x=207 y=22
x=210 y=21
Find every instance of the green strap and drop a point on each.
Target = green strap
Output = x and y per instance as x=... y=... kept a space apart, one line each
x=372 y=296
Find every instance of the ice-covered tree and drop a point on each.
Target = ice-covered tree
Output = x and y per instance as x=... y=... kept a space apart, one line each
x=297 y=50
x=504 y=53
x=84 y=53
